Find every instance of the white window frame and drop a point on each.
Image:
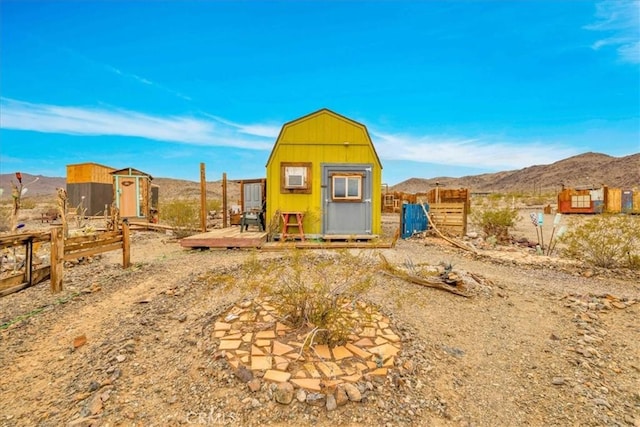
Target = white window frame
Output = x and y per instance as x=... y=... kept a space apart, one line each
x=348 y=195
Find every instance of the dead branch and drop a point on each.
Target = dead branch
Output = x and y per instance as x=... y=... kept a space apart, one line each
x=453 y=242
x=390 y=270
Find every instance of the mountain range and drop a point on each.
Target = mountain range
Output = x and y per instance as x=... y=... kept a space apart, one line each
x=589 y=169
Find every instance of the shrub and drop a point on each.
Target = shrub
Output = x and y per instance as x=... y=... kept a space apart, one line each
x=182 y=215
x=605 y=241
x=495 y=221
x=305 y=294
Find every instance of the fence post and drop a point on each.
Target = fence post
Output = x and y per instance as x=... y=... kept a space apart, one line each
x=126 y=248
x=57 y=258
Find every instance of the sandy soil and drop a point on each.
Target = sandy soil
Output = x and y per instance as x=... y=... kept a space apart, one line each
x=541 y=342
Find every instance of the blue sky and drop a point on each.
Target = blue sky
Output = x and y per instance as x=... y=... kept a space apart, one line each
x=445 y=88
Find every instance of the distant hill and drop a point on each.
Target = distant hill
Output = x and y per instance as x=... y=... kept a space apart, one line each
x=589 y=169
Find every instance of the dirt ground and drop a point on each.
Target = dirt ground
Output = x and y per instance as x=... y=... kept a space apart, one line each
x=542 y=342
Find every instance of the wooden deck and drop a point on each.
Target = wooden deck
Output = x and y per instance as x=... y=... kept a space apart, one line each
x=231 y=237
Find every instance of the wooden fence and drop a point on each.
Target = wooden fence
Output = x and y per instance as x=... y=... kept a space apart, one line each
x=450 y=217
x=61 y=250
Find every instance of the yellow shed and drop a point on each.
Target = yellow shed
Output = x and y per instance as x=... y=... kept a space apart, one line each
x=324 y=166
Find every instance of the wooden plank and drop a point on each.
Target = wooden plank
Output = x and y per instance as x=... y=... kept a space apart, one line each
x=149 y=226
x=93 y=251
x=12 y=240
x=90 y=238
x=69 y=248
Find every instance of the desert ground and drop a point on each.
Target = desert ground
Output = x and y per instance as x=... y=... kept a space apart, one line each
x=540 y=341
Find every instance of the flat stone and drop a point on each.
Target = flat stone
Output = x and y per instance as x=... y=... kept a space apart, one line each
x=280 y=363
x=234 y=363
x=281 y=327
x=255 y=351
x=260 y=362
x=265 y=334
x=379 y=340
x=389 y=362
x=330 y=384
x=229 y=344
x=361 y=367
x=379 y=372
x=385 y=350
x=391 y=338
x=245 y=359
x=221 y=326
x=247 y=337
x=279 y=348
x=247 y=317
x=362 y=354
x=233 y=336
x=312 y=384
x=311 y=369
x=329 y=369
x=301 y=374
x=268 y=318
x=219 y=334
x=364 y=342
x=340 y=353
x=263 y=343
x=383 y=325
x=352 y=378
x=322 y=351
x=368 y=332
x=276 y=376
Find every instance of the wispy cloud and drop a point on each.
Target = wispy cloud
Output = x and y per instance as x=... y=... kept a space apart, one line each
x=265 y=130
x=210 y=131
x=620 y=20
x=45 y=118
x=146 y=82
x=487 y=153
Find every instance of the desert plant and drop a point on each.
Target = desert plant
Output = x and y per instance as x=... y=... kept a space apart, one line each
x=182 y=215
x=305 y=295
x=605 y=241
x=495 y=221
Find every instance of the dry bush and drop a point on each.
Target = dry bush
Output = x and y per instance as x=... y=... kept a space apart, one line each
x=605 y=241
x=495 y=221
x=312 y=293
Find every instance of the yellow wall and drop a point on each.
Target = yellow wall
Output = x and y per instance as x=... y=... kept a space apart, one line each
x=320 y=138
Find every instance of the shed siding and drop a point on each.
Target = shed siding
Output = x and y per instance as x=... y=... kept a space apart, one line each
x=89 y=172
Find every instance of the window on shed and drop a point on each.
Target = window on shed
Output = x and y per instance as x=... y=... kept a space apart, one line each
x=295 y=178
x=581 y=201
x=346 y=187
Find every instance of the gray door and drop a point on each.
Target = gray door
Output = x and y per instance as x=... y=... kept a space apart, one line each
x=252 y=196
x=346 y=199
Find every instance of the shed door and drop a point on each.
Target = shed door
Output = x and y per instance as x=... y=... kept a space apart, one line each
x=346 y=196
x=252 y=196
x=128 y=197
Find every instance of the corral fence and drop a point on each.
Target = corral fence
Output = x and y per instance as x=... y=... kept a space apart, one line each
x=61 y=250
